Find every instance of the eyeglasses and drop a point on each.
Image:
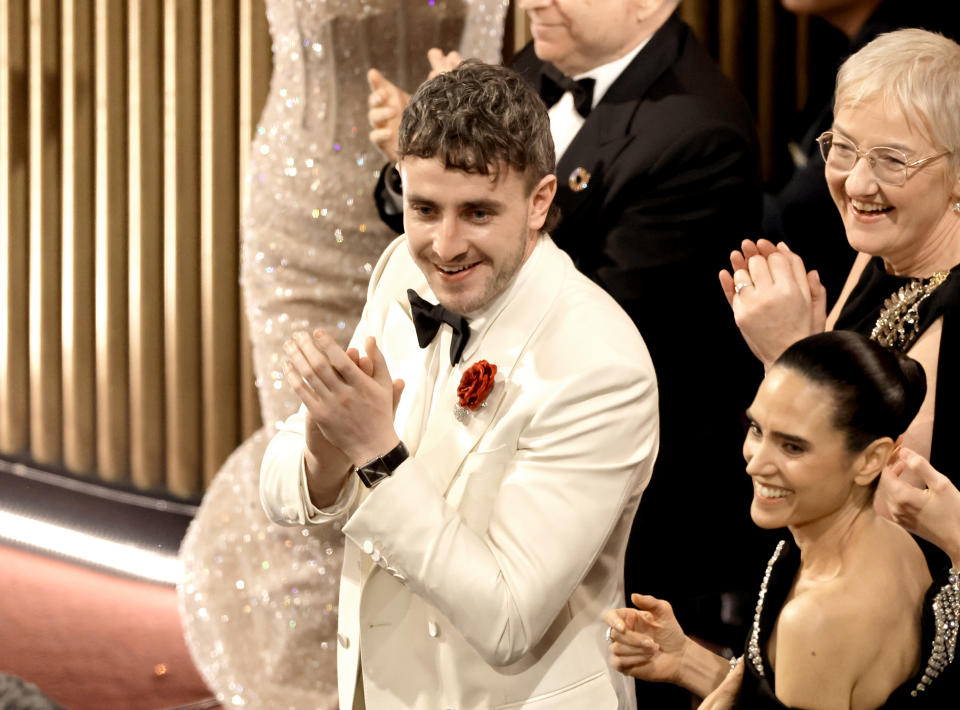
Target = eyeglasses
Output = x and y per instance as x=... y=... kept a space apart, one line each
x=889 y=165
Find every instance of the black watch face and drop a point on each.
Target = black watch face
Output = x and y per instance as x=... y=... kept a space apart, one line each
x=371 y=475
x=372 y=472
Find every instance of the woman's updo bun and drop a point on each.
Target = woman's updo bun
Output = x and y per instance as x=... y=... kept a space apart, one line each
x=877 y=392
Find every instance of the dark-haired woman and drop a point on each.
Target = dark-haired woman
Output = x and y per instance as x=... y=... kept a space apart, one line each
x=838 y=617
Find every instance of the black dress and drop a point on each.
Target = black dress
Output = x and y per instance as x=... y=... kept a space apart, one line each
x=860 y=314
x=934 y=687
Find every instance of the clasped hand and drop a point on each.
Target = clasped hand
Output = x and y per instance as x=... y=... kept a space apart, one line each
x=349 y=399
x=775 y=301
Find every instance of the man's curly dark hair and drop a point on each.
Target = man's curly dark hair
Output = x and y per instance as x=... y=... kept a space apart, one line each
x=479 y=118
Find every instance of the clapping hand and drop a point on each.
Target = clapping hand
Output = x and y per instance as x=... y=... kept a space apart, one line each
x=647 y=642
x=387 y=101
x=775 y=301
x=440 y=62
x=350 y=401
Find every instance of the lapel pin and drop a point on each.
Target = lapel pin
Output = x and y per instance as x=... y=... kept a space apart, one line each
x=579 y=179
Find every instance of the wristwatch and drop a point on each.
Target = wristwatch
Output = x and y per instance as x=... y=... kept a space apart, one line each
x=372 y=472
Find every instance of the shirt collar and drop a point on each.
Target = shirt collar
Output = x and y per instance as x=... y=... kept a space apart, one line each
x=604 y=75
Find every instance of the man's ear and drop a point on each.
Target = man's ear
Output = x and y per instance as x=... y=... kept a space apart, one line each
x=541 y=197
x=648 y=8
x=871 y=460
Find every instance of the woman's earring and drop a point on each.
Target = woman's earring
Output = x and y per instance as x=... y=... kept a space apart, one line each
x=956 y=207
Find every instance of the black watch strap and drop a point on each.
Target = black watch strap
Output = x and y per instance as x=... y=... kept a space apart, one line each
x=372 y=472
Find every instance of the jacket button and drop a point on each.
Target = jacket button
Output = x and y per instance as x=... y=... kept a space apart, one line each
x=343 y=640
x=367 y=547
x=433 y=629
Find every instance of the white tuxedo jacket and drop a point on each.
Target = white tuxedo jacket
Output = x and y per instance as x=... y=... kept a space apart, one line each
x=477 y=575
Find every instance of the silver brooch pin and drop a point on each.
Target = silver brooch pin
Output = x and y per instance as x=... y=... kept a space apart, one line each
x=461 y=412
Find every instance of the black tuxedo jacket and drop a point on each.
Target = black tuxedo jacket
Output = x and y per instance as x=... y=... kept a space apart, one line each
x=673 y=188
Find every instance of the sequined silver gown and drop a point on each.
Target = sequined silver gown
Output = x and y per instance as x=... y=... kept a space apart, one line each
x=257 y=601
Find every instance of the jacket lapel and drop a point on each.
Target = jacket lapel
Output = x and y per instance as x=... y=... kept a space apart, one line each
x=607 y=128
x=447 y=441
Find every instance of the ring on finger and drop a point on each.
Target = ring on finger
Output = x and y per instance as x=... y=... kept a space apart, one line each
x=740 y=286
x=609 y=634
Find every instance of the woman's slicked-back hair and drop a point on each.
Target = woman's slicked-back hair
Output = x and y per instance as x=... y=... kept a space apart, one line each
x=480 y=118
x=916 y=70
x=876 y=391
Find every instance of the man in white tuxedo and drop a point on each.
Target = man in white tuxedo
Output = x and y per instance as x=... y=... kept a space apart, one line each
x=486 y=455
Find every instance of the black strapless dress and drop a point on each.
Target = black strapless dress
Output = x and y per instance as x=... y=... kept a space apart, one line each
x=935 y=687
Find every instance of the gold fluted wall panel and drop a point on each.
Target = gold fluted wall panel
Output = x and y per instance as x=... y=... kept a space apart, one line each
x=219 y=215
x=112 y=320
x=145 y=226
x=181 y=241
x=46 y=399
x=14 y=226
x=125 y=130
x=78 y=219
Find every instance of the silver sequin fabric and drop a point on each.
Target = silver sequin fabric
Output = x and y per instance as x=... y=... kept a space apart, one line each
x=258 y=602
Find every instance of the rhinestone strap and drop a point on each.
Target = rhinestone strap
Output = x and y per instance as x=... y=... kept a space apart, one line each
x=896 y=328
x=946 y=615
x=753 y=647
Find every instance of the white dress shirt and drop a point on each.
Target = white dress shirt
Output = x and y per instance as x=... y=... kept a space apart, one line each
x=564 y=119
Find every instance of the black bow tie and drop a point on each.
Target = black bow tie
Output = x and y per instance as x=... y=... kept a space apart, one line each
x=553 y=85
x=427 y=319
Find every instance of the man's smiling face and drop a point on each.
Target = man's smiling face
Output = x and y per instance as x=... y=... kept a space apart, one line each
x=470 y=233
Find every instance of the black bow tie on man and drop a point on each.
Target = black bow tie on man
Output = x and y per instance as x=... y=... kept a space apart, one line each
x=554 y=84
x=427 y=319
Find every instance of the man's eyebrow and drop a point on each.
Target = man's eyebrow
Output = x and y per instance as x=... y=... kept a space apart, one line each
x=414 y=197
x=483 y=204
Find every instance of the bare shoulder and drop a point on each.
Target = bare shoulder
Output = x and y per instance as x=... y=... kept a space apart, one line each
x=849 y=642
x=817 y=638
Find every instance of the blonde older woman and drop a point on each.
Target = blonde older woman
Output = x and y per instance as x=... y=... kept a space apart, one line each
x=892 y=163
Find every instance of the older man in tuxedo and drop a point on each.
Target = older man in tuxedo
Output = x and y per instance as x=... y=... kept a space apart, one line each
x=487 y=453
x=657 y=183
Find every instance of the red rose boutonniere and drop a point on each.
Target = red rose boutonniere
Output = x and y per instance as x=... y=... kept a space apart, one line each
x=475 y=385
